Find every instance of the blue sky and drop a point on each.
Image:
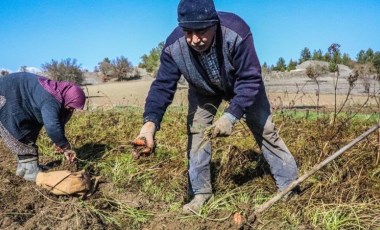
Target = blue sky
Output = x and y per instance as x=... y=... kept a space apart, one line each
x=33 y=32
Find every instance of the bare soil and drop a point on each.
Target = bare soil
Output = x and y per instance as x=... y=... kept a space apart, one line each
x=289 y=91
x=24 y=205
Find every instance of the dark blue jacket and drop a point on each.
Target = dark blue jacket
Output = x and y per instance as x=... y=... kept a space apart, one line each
x=29 y=107
x=240 y=70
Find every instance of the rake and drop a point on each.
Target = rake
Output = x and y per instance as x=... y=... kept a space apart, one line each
x=252 y=218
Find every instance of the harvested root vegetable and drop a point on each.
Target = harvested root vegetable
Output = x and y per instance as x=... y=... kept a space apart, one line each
x=139 y=142
x=238 y=219
x=140 y=148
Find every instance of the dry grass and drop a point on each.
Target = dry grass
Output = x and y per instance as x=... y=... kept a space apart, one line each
x=149 y=192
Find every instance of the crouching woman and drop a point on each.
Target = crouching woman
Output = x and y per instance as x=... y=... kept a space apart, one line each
x=27 y=103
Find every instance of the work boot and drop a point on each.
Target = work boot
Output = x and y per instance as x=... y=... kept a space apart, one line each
x=196 y=203
x=28 y=169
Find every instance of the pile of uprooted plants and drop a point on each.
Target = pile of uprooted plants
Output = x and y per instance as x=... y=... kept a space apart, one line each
x=148 y=193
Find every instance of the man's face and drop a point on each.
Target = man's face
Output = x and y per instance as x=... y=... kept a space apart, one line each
x=200 y=40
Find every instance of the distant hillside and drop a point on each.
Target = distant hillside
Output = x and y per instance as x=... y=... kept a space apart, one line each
x=300 y=70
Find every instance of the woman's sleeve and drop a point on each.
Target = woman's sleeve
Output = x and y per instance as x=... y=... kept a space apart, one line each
x=54 y=124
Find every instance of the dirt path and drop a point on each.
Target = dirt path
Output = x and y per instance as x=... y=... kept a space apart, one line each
x=131 y=93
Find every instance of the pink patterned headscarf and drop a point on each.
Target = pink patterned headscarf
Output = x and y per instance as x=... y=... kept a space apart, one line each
x=68 y=93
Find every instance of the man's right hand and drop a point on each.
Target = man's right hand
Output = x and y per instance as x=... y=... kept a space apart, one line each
x=143 y=145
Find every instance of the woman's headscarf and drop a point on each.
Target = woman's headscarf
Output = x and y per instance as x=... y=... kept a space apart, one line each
x=67 y=93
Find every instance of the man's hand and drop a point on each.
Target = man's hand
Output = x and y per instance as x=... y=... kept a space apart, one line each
x=143 y=145
x=223 y=126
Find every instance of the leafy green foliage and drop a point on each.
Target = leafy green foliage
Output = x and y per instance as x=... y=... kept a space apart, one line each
x=326 y=57
x=64 y=70
x=151 y=61
x=346 y=60
x=265 y=69
x=305 y=55
x=292 y=65
x=335 y=57
x=376 y=62
x=365 y=56
x=360 y=57
x=317 y=55
x=281 y=65
x=333 y=67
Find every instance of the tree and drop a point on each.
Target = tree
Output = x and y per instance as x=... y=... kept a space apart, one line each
x=335 y=57
x=121 y=68
x=264 y=68
x=360 y=57
x=65 y=70
x=105 y=67
x=280 y=65
x=317 y=55
x=346 y=60
x=376 y=62
x=151 y=62
x=292 y=65
x=326 y=57
x=305 y=55
x=23 y=69
x=369 y=55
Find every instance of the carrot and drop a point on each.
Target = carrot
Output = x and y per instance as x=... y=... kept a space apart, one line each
x=139 y=142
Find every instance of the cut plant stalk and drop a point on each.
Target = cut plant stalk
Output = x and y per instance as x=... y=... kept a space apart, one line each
x=252 y=218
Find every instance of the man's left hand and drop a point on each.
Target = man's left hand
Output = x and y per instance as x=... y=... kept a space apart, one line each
x=223 y=126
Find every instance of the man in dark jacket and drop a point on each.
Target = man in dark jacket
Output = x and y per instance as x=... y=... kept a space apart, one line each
x=27 y=103
x=214 y=51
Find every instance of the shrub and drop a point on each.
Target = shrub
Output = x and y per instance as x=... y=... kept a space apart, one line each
x=4 y=72
x=65 y=70
x=119 y=68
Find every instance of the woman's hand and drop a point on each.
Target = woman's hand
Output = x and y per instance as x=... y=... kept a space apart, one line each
x=67 y=151
x=70 y=155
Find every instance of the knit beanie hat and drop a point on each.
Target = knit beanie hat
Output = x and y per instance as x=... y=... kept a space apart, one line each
x=197 y=14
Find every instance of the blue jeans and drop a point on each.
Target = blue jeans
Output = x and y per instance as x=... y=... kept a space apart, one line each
x=259 y=120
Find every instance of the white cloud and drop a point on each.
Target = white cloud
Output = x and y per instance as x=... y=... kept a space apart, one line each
x=32 y=69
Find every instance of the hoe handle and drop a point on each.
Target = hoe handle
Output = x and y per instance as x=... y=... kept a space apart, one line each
x=270 y=202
